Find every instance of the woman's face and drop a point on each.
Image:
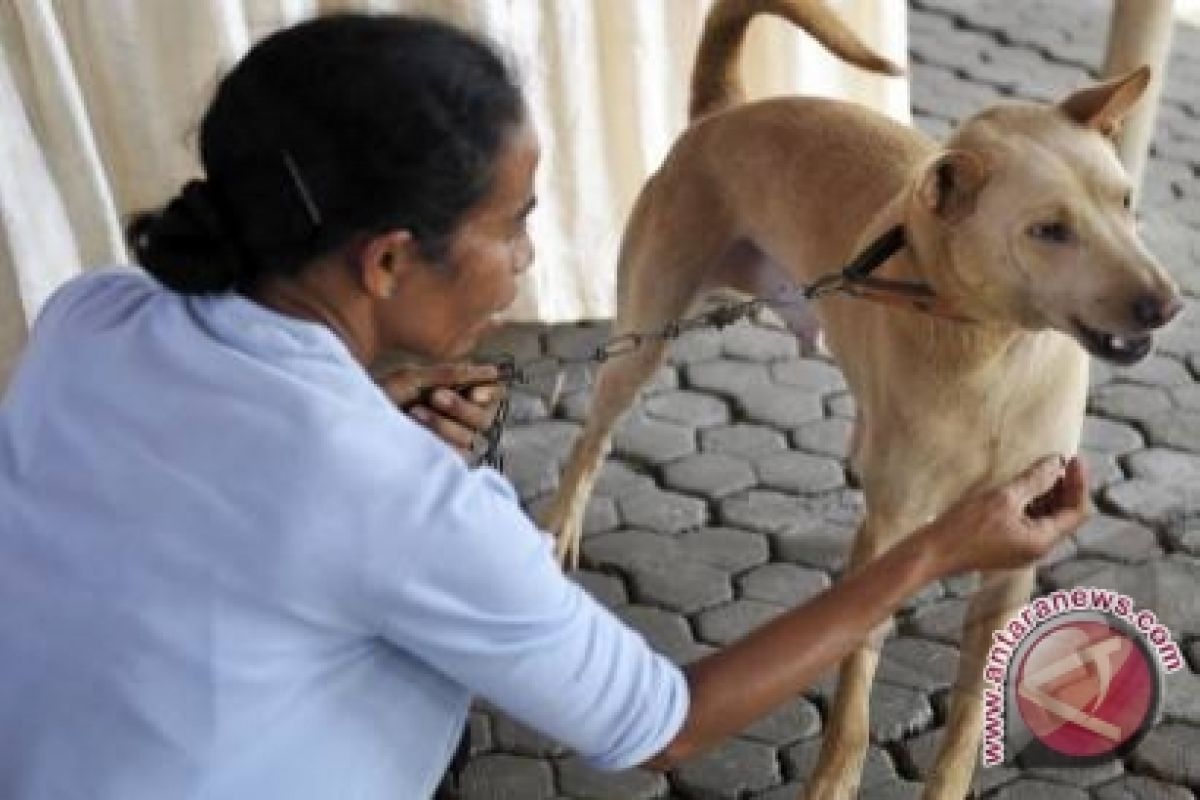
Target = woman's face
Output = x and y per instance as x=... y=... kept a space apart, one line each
x=442 y=310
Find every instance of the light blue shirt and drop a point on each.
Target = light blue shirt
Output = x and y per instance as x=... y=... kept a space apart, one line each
x=230 y=568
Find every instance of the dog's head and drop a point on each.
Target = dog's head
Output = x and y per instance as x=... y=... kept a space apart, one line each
x=1029 y=211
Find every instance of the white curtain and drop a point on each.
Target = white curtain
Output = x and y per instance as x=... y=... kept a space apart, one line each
x=100 y=102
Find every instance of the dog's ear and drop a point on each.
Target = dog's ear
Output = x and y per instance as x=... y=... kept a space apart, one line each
x=951 y=183
x=1103 y=106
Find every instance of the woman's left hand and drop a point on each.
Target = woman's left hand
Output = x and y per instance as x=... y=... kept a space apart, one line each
x=437 y=398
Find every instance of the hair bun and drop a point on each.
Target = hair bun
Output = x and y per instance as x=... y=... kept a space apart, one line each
x=188 y=246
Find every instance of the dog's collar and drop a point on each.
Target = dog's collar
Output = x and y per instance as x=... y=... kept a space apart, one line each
x=857 y=280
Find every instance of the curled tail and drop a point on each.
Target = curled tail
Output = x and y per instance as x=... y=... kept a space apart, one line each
x=716 y=83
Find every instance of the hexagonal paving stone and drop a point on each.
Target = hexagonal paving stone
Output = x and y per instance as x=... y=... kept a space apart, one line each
x=818 y=543
x=810 y=375
x=941 y=621
x=688 y=408
x=500 y=776
x=664 y=512
x=1169 y=752
x=829 y=437
x=580 y=781
x=727 y=623
x=746 y=441
x=767 y=512
x=1157 y=370
x=919 y=753
x=841 y=405
x=1103 y=469
x=680 y=585
x=897 y=712
x=730 y=770
x=652 y=441
x=781 y=584
x=1116 y=538
x=1139 y=787
x=518 y=739
x=798 y=719
x=695 y=346
x=624 y=548
x=547 y=439
x=799 y=473
x=1183 y=535
x=781 y=408
x=1078 y=776
x=1108 y=436
x=728 y=377
x=1164 y=465
x=616 y=479
x=1128 y=402
x=897 y=790
x=1182 y=701
x=729 y=549
x=1153 y=502
x=608 y=589
x=757 y=343
x=1174 y=428
x=668 y=633
x=711 y=475
x=600 y=515
x=1034 y=789
x=918 y=664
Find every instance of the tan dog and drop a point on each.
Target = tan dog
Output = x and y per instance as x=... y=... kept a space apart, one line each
x=1021 y=222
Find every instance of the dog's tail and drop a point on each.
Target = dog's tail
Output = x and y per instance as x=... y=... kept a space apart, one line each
x=716 y=84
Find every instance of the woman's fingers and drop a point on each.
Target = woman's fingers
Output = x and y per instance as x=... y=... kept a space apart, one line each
x=448 y=430
x=407 y=384
x=1065 y=507
x=1037 y=480
x=475 y=413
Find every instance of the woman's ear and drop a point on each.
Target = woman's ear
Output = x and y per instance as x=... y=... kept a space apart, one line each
x=384 y=262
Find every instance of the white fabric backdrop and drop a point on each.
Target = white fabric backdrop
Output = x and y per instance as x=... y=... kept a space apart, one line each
x=100 y=101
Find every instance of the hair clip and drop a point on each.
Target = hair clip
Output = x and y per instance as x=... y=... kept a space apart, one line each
x=310 y=206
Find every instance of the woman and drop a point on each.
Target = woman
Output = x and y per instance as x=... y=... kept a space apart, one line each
x=231 y=569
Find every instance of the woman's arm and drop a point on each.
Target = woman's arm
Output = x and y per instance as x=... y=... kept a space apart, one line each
x=1002 y=529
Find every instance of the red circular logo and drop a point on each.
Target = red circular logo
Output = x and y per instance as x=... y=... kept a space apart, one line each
x=1087 y=687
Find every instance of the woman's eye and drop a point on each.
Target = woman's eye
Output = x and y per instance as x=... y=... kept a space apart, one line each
x=1053 y=232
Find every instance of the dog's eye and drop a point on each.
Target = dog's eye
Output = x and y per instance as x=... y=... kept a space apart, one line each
x=1128 y=200
x=1054 y=232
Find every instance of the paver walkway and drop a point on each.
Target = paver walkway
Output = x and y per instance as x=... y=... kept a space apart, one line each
x=693 y=535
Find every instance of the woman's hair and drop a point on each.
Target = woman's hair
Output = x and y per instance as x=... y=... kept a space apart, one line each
x=344 y=125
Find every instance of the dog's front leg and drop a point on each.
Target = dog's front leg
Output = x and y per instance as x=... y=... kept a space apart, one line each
x=1000 y=595
x=844 y=746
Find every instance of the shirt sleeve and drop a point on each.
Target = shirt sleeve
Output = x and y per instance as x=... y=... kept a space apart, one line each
x=485 y=603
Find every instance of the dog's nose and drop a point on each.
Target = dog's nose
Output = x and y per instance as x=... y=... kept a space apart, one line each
x=1152 y=311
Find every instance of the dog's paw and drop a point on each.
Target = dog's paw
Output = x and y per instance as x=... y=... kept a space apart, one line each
x=567 y=530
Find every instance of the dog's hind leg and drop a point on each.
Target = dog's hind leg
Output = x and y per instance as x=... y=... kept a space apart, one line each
x=665 y=259
x=999 y=596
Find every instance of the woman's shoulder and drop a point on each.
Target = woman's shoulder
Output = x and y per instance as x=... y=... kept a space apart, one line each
x=95 y=289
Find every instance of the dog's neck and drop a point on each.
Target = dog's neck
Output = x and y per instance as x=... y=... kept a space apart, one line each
x=928 y=258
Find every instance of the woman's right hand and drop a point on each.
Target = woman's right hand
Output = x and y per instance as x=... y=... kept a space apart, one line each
x=1012 y=525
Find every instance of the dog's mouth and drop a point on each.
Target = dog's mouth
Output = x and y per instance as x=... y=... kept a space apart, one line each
x=1117 y=348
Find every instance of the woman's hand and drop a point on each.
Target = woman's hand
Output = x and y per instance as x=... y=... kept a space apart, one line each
x=455 y=401
x=1013 y=525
